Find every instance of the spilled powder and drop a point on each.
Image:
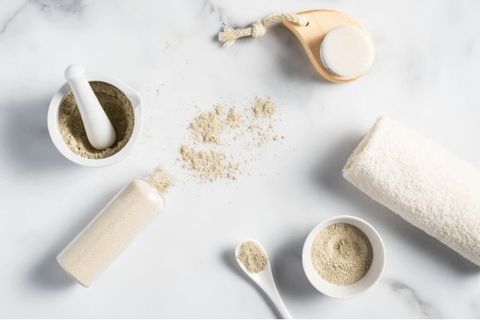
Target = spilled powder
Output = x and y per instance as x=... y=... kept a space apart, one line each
x=342 y=254
x=218 y=139
x=263 y=108
x=234 y=119
x=252 y=257
x=208 y=165
x=208 y=126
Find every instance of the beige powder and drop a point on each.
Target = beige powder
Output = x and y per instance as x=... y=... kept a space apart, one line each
x=234 y=119
x=208 y=165
x=252 y=256
x=342 y=254
x=210 y=156
x=263 y=108
x=119 y=111
x=208 y=126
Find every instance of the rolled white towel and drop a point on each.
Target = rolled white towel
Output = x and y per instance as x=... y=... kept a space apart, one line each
x=420 y=181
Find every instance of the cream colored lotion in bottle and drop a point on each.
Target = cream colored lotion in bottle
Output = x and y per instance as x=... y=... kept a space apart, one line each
x=115 y=227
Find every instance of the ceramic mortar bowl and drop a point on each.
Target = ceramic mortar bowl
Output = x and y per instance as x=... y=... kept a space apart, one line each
x=54 y=130
x=373 y=274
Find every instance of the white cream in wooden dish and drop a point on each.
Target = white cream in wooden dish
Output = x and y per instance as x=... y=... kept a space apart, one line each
x=115 y=227
x=347 y=51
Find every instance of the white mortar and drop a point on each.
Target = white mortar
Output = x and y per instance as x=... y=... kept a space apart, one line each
x=54 y=129
x=355 y=289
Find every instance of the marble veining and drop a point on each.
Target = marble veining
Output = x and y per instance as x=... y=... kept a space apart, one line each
x=213 y=9
x=11 y=18
x=67 y=7
x=412 y=297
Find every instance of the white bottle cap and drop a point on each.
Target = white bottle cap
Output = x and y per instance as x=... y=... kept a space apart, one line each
x=161 y=179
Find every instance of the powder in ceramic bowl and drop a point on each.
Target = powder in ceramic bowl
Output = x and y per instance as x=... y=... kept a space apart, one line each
x=252 y=256
x=342 y=254
x=119 y=111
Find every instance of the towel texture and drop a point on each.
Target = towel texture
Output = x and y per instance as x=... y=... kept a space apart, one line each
x=423 y=183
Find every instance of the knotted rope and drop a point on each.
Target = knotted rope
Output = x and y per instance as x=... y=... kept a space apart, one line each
x=258 y=28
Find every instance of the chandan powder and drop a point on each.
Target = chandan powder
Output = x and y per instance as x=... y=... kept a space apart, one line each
x=342 y=254
x=119 y=111
x=252 y=256
x=209 y=156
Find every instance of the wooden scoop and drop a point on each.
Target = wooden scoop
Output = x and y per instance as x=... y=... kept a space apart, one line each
x=320 y=22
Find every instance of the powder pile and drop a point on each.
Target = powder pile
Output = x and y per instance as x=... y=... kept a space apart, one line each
x=208 y=165
x=263 y=108
x=342 y=254
x=252 y=257
x=234 y=119
x=119 y=111
x=208 y=126
x=211 y=155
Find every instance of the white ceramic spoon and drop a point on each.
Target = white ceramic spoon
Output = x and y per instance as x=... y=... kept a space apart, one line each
x=99 y=129
x=265 y=281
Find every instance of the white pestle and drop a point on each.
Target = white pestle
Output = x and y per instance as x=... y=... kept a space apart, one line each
x=99 y=129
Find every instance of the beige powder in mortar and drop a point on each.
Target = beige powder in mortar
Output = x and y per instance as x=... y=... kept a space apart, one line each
x=342 y=254
x=118 y=109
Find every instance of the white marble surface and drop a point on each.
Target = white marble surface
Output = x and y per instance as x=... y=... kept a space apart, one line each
x=425 y=75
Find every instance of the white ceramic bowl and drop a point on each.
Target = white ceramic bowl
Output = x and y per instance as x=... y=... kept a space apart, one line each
x=56 y=136
x=373 y=274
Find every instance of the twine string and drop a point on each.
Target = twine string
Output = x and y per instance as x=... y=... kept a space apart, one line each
x=258 y=29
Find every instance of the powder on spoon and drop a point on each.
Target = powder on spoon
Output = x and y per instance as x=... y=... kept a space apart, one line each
x=342 y=254
x=119 y=111
x=252 y=256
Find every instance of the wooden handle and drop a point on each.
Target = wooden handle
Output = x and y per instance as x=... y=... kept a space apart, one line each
x=320 y=22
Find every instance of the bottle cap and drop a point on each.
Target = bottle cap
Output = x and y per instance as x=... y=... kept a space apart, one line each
x=161 y=179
